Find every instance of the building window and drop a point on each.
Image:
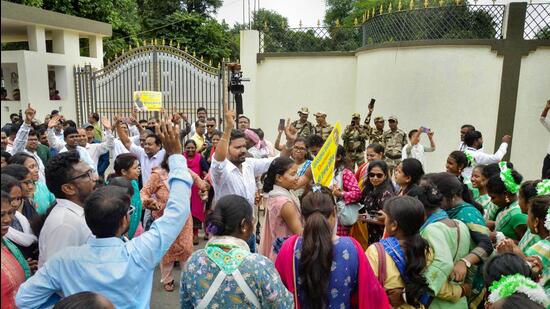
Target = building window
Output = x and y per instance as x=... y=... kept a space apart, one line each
x=57 y=82
x=10 y=82
x=84 y=44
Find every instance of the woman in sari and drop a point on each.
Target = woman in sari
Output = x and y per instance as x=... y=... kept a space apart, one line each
x=457 y=162
x=400 y=259
x=480 y=175
x=155 y=195
x=302 y=159
x=127 y=165
x=323 y=270
x=197 y=164
x=253 y=281
x=344 y=187
x=378 y=189
x=374 y=152
x=408 y=174
x=458 y=203
x=503 y=189
x=527 y=191
x=42 y=197
x=27 y=207
x=19 y=232
x=15 y=269
x=282 y=217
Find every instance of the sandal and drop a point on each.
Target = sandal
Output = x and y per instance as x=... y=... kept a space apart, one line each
x=169 y=287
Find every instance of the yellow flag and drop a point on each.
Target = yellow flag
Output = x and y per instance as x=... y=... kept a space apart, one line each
x=323 y=164
x=148 y=100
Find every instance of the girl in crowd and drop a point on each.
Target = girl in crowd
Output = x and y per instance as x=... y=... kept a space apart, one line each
x=42 y=196
x=345 y=188
x=374 y=152
x=254 y=283
x=127 y=166
x=209 y=152
x=15 y=269
x=449 y=241
x=19 y=232
x=323 y=270
x=155 y=195
x=509 y=221
x=302 y=158
x=197 y=164
x=527 y=191
x=408 y=174
x=457 y=162
x=539 y=224
x=378 y=189
x=24 y=176
x=402 y=253
x=282 y=217
x=458 y=203
x=479 y=182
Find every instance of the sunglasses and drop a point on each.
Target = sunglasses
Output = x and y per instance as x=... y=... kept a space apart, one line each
x=376 y=175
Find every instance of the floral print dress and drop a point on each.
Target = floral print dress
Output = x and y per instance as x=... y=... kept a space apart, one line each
x=258 y=272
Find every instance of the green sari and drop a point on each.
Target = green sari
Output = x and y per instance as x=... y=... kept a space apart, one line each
x=136 y=216
x=528 y=240
x=490 y=209
x=447 y=251
x=542 y=250
x=508 y=219
x=473 y=219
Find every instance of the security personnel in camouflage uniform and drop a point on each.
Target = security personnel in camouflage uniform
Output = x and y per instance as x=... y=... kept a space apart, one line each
x=355 y=136
x=322 y=128
x=376 y=133
x=304 y=127
x=394 y=141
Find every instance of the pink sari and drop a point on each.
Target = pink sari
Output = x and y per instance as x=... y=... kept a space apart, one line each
x=197 y=207
x=370 y=294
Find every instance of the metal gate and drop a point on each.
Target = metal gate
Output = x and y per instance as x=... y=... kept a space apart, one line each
x=186 y=83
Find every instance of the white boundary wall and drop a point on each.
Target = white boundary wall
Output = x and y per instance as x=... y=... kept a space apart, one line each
x=441 y=87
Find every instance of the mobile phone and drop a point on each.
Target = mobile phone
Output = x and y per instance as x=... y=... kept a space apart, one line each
x=425 y=130
x=371 y=104
x=281 y=124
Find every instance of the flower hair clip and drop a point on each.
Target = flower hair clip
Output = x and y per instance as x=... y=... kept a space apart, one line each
x=543 y=187
x=507 y=178
x=511 y=284
x=316 y=188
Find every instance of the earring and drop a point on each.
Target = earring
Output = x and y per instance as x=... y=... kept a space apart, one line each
x=536 y=230
x=507 y=199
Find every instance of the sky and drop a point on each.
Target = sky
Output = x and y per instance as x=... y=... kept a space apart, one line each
x=308 y=11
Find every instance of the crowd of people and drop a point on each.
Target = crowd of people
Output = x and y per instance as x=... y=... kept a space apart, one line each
x=89 y=212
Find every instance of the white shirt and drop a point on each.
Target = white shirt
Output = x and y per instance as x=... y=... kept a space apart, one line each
x=20 y=145
x=64 y=227
x=228 y=179
x=415 y=151
x=61 y=147
x=481 y=157
x=147 y=163
x=546 y=123
x=97 y=149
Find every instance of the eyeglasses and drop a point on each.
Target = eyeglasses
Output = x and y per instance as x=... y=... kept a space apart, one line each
x=131 y=210
x=299 y=149
x=377 y=175
x=88 y=174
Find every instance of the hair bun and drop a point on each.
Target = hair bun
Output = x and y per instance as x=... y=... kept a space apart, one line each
x=216 y=225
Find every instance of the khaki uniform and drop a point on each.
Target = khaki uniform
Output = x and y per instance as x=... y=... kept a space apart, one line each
x=394 y=143
x=374 y=135
x=304 y=129
x=354 y=143
x=323 y=131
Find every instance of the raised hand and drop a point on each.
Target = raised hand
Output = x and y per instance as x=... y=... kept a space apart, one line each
x=169 y=135
x=291 y=132
x=229 y=119
x=106 y=123
x=54 y=121
x=29 y=114
x=506 y=139
x=548 y=104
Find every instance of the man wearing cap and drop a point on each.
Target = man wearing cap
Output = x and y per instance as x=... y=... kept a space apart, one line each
x=394 y=140
x=304 y=127
x=322 y=128
x=354 y=138
x=376 y=134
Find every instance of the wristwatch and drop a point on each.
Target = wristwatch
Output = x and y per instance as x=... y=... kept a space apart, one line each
x=468 y=264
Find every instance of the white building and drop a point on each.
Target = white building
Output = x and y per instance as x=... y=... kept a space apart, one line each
x=56 y=44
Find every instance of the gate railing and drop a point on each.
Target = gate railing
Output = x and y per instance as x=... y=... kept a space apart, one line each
x=185 y=81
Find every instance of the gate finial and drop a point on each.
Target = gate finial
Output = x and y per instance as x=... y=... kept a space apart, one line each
x=202 y=58
x=178 y=45
x=163 y=43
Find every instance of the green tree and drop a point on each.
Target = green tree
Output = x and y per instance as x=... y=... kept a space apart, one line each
x=338 y=10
